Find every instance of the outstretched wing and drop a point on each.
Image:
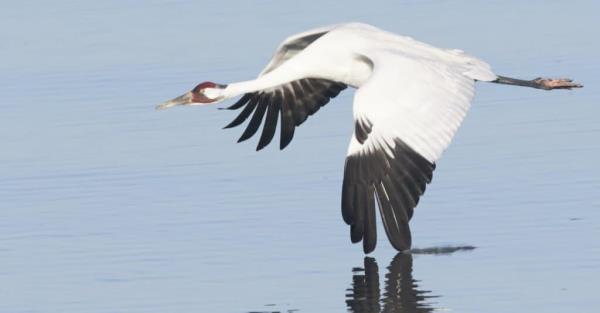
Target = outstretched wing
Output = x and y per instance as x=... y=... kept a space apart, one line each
x=294 y=44
x=292 y=102
x=405 y=117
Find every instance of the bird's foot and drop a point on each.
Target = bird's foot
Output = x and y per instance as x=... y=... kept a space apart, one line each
x=555 y=83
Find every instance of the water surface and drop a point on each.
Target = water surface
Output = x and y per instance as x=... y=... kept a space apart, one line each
x=109 y=206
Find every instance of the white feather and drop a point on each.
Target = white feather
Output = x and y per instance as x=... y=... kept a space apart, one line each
x=407 y=89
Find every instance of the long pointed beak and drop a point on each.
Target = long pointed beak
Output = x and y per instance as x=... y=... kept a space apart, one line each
x=181 y=100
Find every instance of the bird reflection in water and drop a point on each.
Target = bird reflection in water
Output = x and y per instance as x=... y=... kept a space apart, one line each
x=401 y=293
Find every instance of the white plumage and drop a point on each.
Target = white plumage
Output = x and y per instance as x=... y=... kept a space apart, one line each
x=408 y=89
x=411 y=98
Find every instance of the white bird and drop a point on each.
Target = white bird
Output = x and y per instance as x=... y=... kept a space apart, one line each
x=411 y=98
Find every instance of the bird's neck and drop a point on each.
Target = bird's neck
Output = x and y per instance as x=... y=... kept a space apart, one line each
x=239 y=88
x=281 y=75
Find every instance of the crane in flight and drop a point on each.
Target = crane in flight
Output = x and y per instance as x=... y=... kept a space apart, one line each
x=410 y=99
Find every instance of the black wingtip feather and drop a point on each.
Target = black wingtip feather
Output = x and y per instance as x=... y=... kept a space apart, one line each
x=266 y=136
x=270 y=123
x=370 y=237
x=244 y=114
x=347 y=203
x=356 y=233
x=396 y=182
x=287 y=120
x=299 y=99
x=257 y=118
x=243 y=100
x=358 y=228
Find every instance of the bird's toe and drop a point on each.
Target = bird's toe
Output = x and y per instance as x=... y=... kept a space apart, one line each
x=556 y=83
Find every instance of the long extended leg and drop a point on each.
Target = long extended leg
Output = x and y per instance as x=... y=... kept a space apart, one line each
x=539 y=83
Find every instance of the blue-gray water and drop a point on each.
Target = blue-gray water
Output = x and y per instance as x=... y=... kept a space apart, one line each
x=109 y=206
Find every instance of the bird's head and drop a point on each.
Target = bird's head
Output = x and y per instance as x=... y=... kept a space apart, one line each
x=204 y=93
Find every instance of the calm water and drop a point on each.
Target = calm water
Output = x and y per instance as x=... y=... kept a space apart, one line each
x=109 y=206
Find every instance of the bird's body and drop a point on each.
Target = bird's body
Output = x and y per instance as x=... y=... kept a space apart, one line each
x=411 y=98
x=348 y=52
